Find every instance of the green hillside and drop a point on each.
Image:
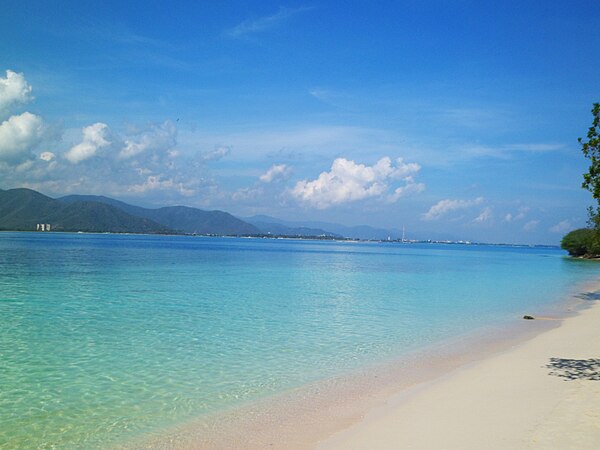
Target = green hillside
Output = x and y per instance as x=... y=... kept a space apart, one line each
x=181 y=218
x=22 y=209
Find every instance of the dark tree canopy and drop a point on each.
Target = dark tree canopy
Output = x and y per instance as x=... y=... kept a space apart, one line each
x=579 y=242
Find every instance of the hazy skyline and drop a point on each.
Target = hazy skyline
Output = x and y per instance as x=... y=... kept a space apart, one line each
x=449 y=118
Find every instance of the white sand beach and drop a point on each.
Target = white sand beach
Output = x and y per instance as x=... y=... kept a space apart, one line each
x=543 y=393
x=531 y=390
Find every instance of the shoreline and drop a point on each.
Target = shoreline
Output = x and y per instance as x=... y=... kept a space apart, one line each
x=310 y=238
x=322 y=413
x=540 y=394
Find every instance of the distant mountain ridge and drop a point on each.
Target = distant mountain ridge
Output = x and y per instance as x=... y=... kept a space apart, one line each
x=22 y=209
x=182 y=219
x=327 y=228
x=270 y=227
x=363 y=232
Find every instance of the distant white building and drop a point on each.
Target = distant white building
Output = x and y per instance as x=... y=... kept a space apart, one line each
x=42 y=227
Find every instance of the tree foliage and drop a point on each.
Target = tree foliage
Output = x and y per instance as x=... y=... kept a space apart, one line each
x=591 y=150
x=580 y=242
x=586 y=241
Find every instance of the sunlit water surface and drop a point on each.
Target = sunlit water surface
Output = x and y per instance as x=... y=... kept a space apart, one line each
x=103 y=337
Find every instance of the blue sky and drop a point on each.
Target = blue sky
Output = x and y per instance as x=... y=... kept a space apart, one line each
x=451 y=118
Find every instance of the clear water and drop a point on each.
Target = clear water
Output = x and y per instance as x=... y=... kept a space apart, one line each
x=103 y=337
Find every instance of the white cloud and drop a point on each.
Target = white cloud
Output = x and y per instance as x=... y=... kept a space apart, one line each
x=18 y=136
x=265 y=187
x=244 y=194
x=277 y=172
x=154 y=183
x=531 y=225
x=484 y=216
x=446 y=206
x=348 y=181
x=14 y=89
x=159 y=137
x=47 y=156
x=520 y=215
x=94 y=138
x=144 y=161
x=216 y=154
x=561 y=227
x=411 y=187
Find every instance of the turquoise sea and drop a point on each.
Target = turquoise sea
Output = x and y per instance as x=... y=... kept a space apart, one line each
x=106 y=337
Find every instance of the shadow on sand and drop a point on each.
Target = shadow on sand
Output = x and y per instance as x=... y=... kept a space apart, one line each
x=589 y=296
x=575 y=369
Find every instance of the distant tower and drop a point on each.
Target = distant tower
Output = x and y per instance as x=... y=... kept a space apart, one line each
x=403 y=234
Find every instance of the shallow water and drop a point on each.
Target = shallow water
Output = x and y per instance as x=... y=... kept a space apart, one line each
x=103 y=337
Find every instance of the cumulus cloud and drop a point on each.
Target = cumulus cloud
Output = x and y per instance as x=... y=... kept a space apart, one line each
x=14 y=90
x=18 y=136
x=484 y=216
x=267 y=185
x=510 y=217
x=446 y=206
x=144 y=159
x=95 y=137
x=158 y=137
x=561 y=227
x=411 y=187
x=277 y=172
x=348 y=181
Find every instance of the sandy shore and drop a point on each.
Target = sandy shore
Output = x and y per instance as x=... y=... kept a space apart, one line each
x=543 y=393
x=533 y=385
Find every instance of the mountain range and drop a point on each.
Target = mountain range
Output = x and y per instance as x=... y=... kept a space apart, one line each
x=315 y=228
x=178 y=219
x=22 y=209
